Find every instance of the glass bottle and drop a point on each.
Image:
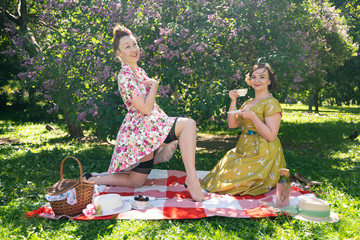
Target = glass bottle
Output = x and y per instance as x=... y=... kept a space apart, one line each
x=283 y=188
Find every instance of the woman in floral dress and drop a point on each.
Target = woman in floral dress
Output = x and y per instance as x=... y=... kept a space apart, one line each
x=147 y=135
x=252 y=167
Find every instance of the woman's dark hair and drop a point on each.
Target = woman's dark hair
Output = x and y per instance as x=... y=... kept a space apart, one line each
x=273 y=78
x=119 y=32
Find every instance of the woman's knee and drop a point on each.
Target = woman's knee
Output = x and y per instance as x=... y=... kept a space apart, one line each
x=183 y=124
x=188 y=122
x=136 y=179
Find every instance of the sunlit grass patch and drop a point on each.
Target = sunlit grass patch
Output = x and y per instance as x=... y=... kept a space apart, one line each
x=315 y=145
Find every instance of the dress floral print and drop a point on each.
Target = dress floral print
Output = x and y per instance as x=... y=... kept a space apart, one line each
x=252 y=167
x=139 y=134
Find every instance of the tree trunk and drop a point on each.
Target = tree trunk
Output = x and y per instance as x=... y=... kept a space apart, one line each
x=316 y=101
x=338 y=103
x=75 y=129
x=310 y=104
x=21 y=19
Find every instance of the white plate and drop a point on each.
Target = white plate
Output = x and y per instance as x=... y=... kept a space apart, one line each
x=140 y=208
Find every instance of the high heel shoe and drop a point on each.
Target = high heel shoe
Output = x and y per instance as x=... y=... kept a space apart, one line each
x=308 y=183
x=87 y=175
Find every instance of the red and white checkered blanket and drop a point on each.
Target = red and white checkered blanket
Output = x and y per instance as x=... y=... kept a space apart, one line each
x=169 y=184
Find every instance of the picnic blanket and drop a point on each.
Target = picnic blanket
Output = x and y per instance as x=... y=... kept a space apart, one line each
x=175 y=201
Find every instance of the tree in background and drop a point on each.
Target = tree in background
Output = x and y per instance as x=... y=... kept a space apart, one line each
x=69 y=62
x=198 y=50
x=12 y=12
x=344 y=84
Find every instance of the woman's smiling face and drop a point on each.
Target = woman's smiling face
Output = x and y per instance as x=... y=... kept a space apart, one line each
x=129 y=51
x=259 y=79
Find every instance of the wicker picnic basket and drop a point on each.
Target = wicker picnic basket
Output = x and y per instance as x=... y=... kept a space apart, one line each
x=84 y=193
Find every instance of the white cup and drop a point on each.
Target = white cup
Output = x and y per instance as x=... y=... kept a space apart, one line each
x=242 y=91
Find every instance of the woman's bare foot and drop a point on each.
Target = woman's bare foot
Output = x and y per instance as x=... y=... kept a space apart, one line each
x=194 y=189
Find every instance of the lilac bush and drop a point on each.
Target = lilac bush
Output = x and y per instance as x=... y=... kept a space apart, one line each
x=198 y=50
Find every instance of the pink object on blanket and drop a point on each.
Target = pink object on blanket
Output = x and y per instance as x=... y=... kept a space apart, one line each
x=178 y=204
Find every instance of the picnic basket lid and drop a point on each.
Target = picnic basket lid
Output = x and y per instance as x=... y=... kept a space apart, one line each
x=65 y=185
x=62 y=186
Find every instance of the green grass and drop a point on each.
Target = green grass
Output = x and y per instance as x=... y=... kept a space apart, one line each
x=314 y=145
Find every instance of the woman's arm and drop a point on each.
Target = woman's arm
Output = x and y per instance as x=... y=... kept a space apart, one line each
x=268 y=129
x=146 y=104
x=233 y=118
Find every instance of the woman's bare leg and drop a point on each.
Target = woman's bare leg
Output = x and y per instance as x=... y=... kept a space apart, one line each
x=131 y=179
x=185 y=130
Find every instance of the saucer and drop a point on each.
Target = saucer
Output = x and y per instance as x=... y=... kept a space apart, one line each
x=235 y=111
x=140 y=208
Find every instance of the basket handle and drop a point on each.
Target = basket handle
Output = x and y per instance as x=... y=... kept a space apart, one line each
x=62 y=167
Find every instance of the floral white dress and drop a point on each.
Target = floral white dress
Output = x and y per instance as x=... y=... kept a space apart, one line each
x=139 y=134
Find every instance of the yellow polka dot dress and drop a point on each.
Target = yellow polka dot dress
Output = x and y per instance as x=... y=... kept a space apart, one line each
x=252 y=167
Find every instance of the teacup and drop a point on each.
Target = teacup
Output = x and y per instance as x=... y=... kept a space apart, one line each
x=242 y=91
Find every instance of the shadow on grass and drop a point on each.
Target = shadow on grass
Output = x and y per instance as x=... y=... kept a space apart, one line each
x=26 y=113
x=319 y=151
x=322 y=152
x=322 y=110
x=316 y=138
x=26 y=177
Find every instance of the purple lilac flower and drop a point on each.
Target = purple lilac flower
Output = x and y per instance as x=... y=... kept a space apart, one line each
x=89 y=101
x=22 y=75
x=237 y=75
x=55 y=108
x=49 y=84
x=9 y=52
x=297 y=79
x=164 y=91
x=81 y=116
x=28 y=62
x=211 y=17
x=10 y=27
x=295 y=87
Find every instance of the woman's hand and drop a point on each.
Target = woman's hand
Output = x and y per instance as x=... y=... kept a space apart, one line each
x=150 y=82
x=268 y=129
x=247 y=114
x=233 y=118
x=146 y=104
x=233 y=94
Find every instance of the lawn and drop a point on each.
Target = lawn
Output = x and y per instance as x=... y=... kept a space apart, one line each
x=314 y=145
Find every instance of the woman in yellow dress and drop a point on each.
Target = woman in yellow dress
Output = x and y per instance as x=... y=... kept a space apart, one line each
x=252 y=167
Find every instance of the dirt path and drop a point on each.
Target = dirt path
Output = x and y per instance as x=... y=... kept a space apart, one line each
x=8 y=141
x=205 y=142
x=209 y=142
